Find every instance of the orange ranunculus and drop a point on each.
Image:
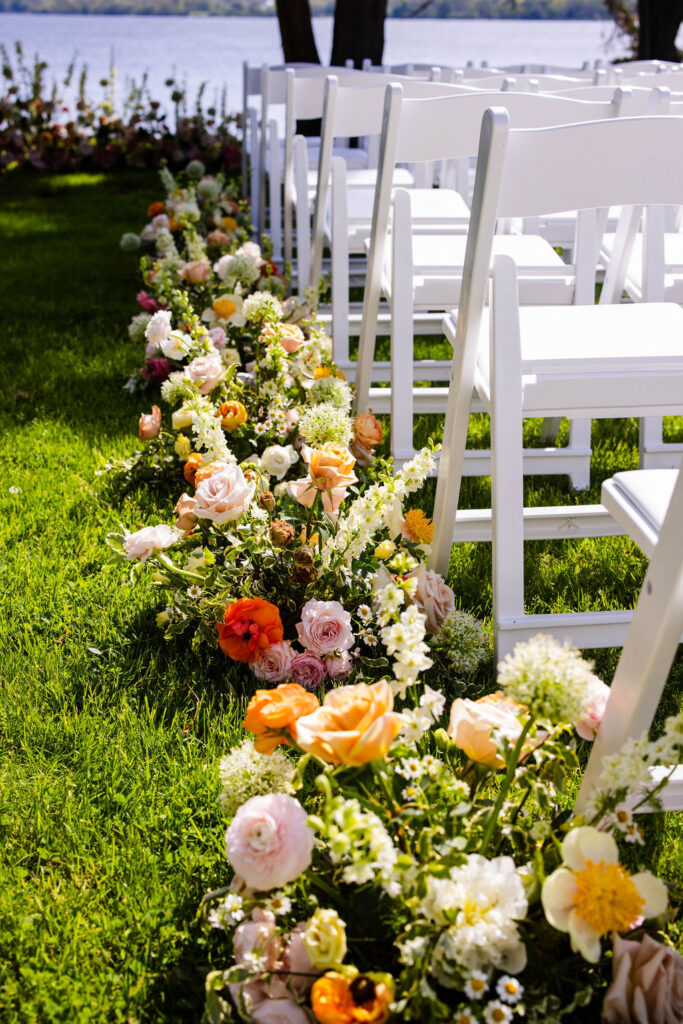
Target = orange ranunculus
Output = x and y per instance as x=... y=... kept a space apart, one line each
x=472 y=723
x=367 y=429
x=363 y=1000
x=224 y=308
x=191 y=466
x=250 y=625
x=355 y=724
x=271 y=712
x=229 y=223
x=232 y=415
x=154 y=209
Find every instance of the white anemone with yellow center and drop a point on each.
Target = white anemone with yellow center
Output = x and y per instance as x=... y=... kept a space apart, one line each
x=592 y=895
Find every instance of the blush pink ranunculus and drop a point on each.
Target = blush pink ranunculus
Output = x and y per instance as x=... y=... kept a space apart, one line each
x=150 y=424
x=307 y=670
x=207 y=371
x=274 y=665
x=260 y=937
x=145 y=542
x=597 y=696
x=325 y=627
x=224 y=496
x=269 y=842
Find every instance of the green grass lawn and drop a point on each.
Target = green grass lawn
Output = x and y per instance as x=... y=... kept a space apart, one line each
x=109 y=736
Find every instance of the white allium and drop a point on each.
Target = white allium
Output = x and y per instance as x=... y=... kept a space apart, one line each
x=245 y=773
x=549 y=678
x=325 y=422
x=333 y=390
x=262 y=306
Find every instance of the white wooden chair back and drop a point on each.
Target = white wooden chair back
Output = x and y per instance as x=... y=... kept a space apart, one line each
x=530 y=173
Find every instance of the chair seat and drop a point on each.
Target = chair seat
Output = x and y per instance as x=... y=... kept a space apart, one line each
x=639 y=500
x=673 y=258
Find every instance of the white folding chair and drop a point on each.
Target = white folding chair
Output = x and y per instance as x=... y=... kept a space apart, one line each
x=648 y=503
x=582 y=361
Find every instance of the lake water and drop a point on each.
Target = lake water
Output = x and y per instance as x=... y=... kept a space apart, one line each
x=197 y=49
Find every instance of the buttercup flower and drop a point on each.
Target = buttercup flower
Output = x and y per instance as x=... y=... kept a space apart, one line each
x=325 y=627
x=647 y=984
x=473 y=722
x=232 y=415
x=269 y=842
x=150 y=424
x=325 y=939
x=184 y=511
x=591 y=894
x=355 y=724
x=148 y=540
x=272 y=713
x=224 y=496
x=250 y=626
x=274 y=665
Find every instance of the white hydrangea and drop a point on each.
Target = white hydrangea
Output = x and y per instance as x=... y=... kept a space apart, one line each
x=245 y=773
x=138 y=326
x=551 y=679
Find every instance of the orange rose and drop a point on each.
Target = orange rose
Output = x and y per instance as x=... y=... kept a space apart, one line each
x=250 y=625
x=271 y=712
x=207 y=470
x=473 y=721
x=154 y=209
x=356 y=724
x=366 y=998
x=191 y=466
x=232 y=415
x=367 y=429
x=330 y=466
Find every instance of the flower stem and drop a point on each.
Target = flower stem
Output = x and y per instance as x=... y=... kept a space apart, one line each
x=505 y=786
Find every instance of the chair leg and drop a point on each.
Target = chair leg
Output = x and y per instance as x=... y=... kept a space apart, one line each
x=274 y=190
x=339 y=231
x=401 y=331
x=507 y=481
x=580 y=437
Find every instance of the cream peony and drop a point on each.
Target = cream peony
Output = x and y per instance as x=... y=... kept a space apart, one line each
x=224 y=496
x=269 y=842
x=145 y=542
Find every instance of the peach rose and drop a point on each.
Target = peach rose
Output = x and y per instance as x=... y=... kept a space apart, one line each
x=330 y=469
x=290 y=336
x=224 y=497
x=433 y=597
x=184 y=510
x=367 y=429
x=473 y=722
x=207 y=469
x=647 y=984
x=355 y=724
x=272 y=713
x=150 y=424
x=195 y=272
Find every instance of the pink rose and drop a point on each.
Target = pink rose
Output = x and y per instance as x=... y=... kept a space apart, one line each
x=150 y=424
x=325 y=627
x=207 y=371
x=433 y=597
x=145 y=542
x=269 y=842
x=589 y=723
x=253 y=992
x=274 y=665
x=224 y=496
x=218 y=337
x=307 y=670
x=647 y=984
x=155 y=370
x=195 y=272
x=184 y=511
x=339 y=667
x=296 y=963
x=260 y=937
x=281 y=1011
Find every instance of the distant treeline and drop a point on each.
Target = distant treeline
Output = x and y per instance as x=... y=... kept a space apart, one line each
x=397 y=8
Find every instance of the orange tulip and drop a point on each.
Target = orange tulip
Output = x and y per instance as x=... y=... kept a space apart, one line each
x=250 y=625
x=355 y=724
x=271 y=713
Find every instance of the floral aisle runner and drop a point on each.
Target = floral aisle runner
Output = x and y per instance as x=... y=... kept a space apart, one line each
x=391 y=857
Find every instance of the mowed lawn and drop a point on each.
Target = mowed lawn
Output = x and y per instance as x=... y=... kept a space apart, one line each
x=109 y=736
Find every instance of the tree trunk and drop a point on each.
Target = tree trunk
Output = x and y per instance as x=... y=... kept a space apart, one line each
x=659 y=21
x=296 y=32
x=358 y=31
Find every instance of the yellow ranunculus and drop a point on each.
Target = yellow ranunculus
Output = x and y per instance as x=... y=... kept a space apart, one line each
x=325 y=939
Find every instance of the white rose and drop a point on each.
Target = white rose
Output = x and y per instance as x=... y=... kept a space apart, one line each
x=277 y=459
x=224 y=496
x=207 y=371
x=182 y=418
x=159 y=328
x=175 y=345
x=145 y=542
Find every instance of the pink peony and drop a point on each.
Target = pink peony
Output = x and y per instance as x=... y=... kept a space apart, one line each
x=647 y=984
x=207 y=371
x=281 y=1011
x=269 y=842
x=433 y=597
x=224 y=496
x=589 y=723
x=325 y=627
x=338 y=667
x=260 y=937
x=155 y=370
x=148 y=540
x=307 y=670
x=274 y=665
